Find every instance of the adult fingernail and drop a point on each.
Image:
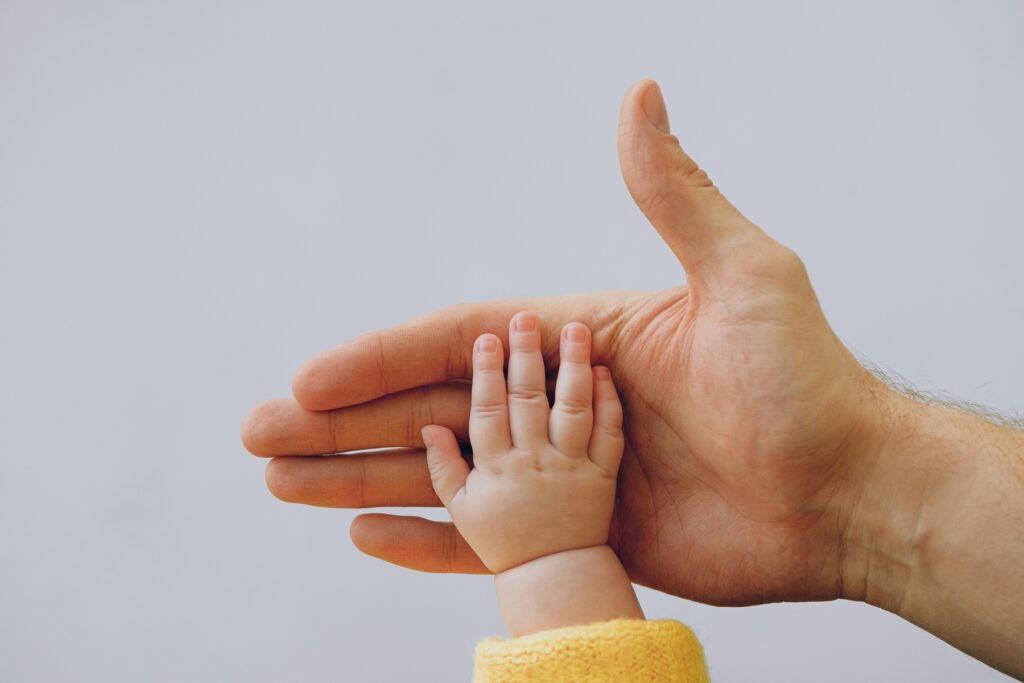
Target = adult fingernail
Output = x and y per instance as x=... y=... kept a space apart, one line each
x=654 y=106
x=487 y=344
x=576 y=333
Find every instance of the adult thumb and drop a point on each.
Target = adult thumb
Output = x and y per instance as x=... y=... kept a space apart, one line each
x=691 y=215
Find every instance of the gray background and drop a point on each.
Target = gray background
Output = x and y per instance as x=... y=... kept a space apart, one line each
x=197 y=196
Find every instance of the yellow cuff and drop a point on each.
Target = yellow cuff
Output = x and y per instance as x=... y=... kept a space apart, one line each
x=620 y=650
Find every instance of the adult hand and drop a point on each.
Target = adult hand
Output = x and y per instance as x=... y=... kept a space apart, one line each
x=743 y=410
x=762 y=462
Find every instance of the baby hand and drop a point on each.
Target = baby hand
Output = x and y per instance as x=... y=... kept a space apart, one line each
x=543 y=479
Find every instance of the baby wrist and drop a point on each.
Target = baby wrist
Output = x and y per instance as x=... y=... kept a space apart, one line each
x=567 y=588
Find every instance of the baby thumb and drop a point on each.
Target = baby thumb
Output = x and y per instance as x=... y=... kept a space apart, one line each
x=448 y=471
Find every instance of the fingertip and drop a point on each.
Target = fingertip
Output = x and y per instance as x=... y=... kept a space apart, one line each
x=373 y=534
x=643 y=107
x=249 y=431
x=256 y=430
x=675 y=194
x=524 y=322
x=360 y=531
x=311 y=388
x=488 y=352
x=575 y=343
x=487 y=343
x=604 y=385
x=653 y=104
x=635 y=91
x=575 y=332
x=279 y=481
x=427 y=435
x=438 y=438
x=415 y=543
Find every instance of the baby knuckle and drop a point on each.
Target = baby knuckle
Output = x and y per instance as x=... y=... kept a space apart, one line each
x=488 y=410
x=522 y=395
x=574 y=406
x=438 y=469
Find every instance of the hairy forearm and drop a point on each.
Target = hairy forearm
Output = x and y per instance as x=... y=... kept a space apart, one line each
x=937 y=532
x=569 y=588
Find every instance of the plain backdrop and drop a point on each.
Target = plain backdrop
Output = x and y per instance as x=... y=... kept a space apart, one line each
x=196 y=196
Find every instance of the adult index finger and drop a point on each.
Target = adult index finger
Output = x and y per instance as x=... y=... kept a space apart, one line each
x=433 y=348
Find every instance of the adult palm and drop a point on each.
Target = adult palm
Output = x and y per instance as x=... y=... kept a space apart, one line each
x=748 y=424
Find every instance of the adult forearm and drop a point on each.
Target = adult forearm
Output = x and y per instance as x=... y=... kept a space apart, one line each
x=936 y=533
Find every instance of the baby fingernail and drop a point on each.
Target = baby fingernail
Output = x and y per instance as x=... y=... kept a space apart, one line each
x=576 y=333
x=487 y=344
x=526 y=323
x=601 y=372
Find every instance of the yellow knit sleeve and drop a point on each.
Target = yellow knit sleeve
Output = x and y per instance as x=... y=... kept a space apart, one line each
x=606 y=652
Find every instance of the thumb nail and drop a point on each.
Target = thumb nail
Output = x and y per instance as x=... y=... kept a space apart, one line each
x=428 y=437
x=654 y=106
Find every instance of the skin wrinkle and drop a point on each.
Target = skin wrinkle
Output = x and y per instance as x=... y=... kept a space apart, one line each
x=653 y=199
x=611 y=432
x=835 y=469
x=841 y=559
x=706 y=482
x=610 y=316
x=652 y=521
x=451 y=351
x=631 y=540
x=917 y=533
x=654 y=411
x=359 y=481
x=875 y=552
x=457 y=350
x=487 y=411
x=648 y=315
x=845 y=538
x=572 y=406
x=422 y=415
x=830 y=472
x=381 y=374
x=527 y=396
x=332 y=427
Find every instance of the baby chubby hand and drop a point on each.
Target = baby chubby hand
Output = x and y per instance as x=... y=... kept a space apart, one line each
x=543 y=478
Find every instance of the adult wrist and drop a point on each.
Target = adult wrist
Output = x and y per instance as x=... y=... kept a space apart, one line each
x=934 y=534
x=886 y=514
